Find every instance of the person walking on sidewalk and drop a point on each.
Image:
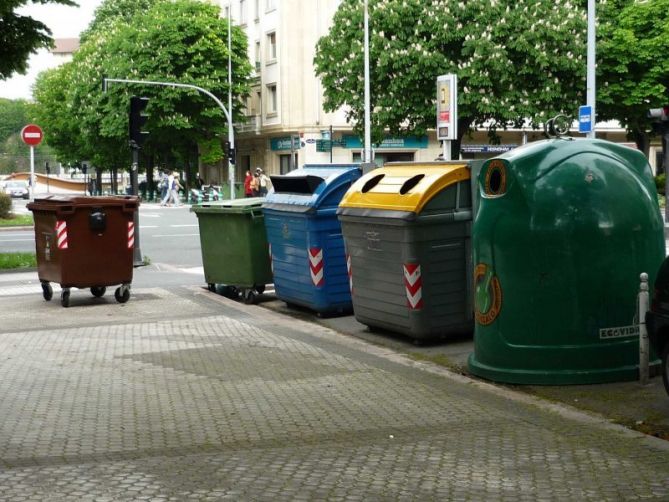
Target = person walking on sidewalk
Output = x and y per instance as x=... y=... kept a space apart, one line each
x=263 y=182
x=255 y=185
x=176 y=186
x=248 y=191
x=166 y=189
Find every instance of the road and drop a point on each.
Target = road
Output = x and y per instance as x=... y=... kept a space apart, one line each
x=168 y=235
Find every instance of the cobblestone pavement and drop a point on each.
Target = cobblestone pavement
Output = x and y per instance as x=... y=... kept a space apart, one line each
x=184 y=395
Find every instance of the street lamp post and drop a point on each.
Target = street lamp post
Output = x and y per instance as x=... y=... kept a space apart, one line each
x=367 y=158
x=591 y=90
x=231 y=138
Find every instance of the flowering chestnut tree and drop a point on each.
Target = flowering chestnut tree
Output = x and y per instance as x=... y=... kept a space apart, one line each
x=517 y=61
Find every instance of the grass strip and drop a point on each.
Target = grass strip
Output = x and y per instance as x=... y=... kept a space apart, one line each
x=10 y=261
x=17 y=221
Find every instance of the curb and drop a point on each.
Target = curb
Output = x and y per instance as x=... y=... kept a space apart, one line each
x=9 y=229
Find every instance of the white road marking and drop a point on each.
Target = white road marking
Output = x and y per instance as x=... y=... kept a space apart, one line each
x=176 y=235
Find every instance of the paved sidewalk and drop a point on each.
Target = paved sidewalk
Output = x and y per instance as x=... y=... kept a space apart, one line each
x=185 y=395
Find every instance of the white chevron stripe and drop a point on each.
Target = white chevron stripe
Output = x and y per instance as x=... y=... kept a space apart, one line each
x=415 y=299
x=315 y=260
x=316 y=278
x=412 y=278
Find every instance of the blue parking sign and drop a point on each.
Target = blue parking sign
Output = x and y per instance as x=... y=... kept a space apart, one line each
x=585 y=119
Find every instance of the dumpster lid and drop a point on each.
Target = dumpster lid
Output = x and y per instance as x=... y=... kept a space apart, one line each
x=247 y=205
x=56 y=202
x=404 y=186
x=310 y=185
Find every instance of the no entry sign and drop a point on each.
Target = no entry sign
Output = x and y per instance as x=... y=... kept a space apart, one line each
x=32 y=135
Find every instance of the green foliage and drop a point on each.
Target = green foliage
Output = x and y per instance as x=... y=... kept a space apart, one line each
x=14 y=114
x=113 y=11
x=5 y=206
x=21 y=36
x=660 y=181
x=515 y=60
x=632 y=71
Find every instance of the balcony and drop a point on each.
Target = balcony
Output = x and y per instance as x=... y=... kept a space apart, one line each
x=252 y=124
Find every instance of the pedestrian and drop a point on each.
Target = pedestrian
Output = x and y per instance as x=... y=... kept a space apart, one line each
x=176 y=186
x=166 y=189
x=255 y=185
x=263 y=183
x=199 y=182
x=248 y=191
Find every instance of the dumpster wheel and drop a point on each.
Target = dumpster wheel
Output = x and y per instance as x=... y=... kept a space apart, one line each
x=260 y=288
x=65 y=297
x=98 y=291
x=47 y=291
x=230 y=292
x=250 y=296
x=122 y=293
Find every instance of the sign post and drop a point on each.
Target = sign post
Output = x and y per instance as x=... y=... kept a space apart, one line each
x=447 y=111
x=32 y=135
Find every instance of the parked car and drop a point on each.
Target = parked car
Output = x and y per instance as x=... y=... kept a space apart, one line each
x=17 y=189
x=657 y=320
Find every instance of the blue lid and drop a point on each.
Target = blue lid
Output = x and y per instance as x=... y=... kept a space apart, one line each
x=312 y=186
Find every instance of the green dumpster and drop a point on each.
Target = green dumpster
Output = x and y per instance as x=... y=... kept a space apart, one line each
x=563 y=231
x=234 y=246
x=407 y=229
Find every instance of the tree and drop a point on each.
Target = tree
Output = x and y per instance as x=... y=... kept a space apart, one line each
x=111 y=11
x=183 y=41
x=516 y=60
x=14 y=114
x=632 y=72
x=55 y=113
x=21 y=36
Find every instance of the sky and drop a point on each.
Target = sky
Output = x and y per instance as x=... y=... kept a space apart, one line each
x=64 y=22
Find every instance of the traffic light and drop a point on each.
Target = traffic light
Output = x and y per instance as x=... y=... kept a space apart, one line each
x=137 y=120
x=661 y=114
x=230 y=152
x=47 y=168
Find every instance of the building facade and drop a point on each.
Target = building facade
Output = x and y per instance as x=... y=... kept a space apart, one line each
x=286 y=125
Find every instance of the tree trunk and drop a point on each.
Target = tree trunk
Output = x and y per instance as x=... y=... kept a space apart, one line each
x=642 y=140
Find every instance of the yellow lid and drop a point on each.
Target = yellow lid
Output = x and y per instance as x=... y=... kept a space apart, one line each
x=406 y=187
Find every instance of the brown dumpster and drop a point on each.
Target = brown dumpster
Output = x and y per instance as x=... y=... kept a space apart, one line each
x=84 y=242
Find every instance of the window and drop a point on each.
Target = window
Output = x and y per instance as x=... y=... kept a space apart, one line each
x=242 y=11
x=271 y=99
x=271 y=4
x=271 y=46
x=257 y=55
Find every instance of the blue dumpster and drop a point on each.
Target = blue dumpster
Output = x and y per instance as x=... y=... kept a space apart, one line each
x=304 y=235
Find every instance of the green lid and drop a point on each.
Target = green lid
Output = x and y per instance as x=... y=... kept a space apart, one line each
x=248 y=205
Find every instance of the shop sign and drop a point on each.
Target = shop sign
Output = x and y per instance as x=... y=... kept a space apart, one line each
x=284 y=143
x=487 y=148
x=389 y=142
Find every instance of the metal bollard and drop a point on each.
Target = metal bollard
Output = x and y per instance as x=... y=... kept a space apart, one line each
x=643 y=332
